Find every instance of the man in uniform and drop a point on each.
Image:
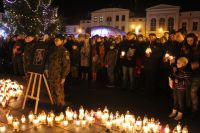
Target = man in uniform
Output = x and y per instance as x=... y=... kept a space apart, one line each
x=58 y=68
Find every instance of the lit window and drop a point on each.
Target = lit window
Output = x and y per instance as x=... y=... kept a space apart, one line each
x=95 y=19
x=101 y=19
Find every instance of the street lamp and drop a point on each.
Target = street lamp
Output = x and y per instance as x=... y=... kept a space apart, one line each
x=79 y=30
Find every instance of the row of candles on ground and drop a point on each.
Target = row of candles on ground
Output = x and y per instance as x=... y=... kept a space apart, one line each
x=83 y=118
x=9 y=90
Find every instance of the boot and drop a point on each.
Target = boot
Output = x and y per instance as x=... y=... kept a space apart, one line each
x=173 y=114
x=179 y=116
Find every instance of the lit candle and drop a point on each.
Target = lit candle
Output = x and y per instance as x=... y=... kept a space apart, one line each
x=15 y=125
x=75 y=115
x=30 y=117
x=77 y=122
x=127 y=116
x=83 y=123
x=50 y=120
x=167 y=129
x=81 y=113
x=3 y=103
x=167 y=55
x=123 y=53
x=185 y=130
x=57 y=119
x=62 y=116
x=178 y=128
x=148 y=50
x=108 y=125
x=35 y=122
x=65 y=123
x=138 y=124
x=10 y=119
x=2 y=129
x=171 y=57
x=99 y=113
x=23 y=119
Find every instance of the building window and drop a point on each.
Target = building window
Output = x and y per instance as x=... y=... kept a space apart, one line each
x=184 y=25
x=117 y=27
x=109 y=19
x=170 y=24
x=153 y=24
x=95 y=19
x=123 y=17
x=101 y=19
x=117 y=18
x=195 y=26
x=123 y=28
x=140 y=19
x=162 y=22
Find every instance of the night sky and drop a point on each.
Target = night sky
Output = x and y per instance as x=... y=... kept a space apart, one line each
x=80 y=9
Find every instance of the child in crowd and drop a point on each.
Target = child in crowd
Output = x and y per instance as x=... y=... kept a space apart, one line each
x=110 y=62
x=180 y=79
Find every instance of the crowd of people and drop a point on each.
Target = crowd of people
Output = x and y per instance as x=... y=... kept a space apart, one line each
x=152 y=63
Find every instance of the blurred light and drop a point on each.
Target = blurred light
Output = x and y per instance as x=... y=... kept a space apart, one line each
x=161 y=30
x=79 y=30
x=2 y=33
x=133 y=26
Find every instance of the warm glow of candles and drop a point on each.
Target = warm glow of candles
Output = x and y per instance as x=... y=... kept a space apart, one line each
x=50 y=120
x=123 y=53
x=2 y=129
x=148 y=50
x=77 y=122
x=23 y=119
x=35 y=122
x=30 y=117
x=10 y=119
x=65 y=123
x=15 y=125
x=167 y=129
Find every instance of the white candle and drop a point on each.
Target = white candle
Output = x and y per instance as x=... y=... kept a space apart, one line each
x=30 y=117
x=108 y=124
x=49 y=120
x=2 y=129
x=10 y=119
x=35 y=122
x=15 y=125
x=65 y=123
x=167 y=129
x=23 y=119
x=123 y=53
x=77 y=122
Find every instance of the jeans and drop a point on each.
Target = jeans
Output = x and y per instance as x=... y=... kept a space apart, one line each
x=128 y=74
x=195 y=84
x=179 y=99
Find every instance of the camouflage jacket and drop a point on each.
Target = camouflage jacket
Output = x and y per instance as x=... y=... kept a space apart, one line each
x=58 y=63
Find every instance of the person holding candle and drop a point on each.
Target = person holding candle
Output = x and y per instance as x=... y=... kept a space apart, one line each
x=181 y=80
x=129 y=54
x=152 y=60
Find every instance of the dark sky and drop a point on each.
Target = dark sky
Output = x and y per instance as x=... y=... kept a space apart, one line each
x=79 y=9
